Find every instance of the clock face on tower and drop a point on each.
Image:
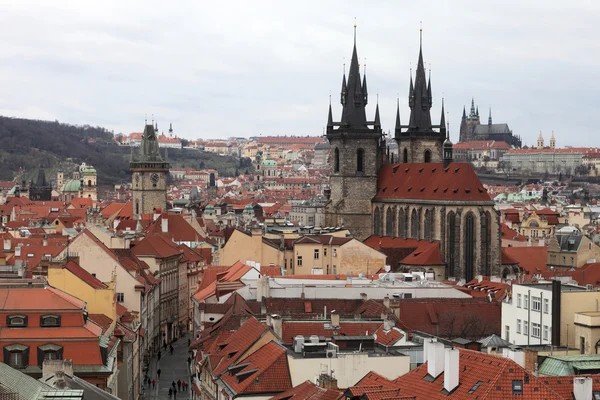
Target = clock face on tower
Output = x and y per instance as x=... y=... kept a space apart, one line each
x=154 y=178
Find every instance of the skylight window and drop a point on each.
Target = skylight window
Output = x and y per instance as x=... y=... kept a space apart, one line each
x=475 y=387
x=517 y=387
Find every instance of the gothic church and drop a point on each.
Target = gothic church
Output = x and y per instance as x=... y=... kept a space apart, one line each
x=423 y=195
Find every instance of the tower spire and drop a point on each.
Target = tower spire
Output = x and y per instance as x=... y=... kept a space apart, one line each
x=464 y=113
x=472 y=113
x=443 y=119
x=344 y=93
x=364 y=85
x=377 y=123
x=330 y=116
x=420 y=116
x=411 y=91
x=398 y=125
x=490 y=117
x=354 y=100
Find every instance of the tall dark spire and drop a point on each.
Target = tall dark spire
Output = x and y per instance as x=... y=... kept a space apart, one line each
x=420 y=116
x=364 y=85
x=464 y=113
x=411 y=92
x=398 y=125
x=344 y=91
x=355 y=99
x=477 y=112
x=377 y=123
x=330 y=116
x=170 y=127
x=443 y=119
x=149 y=146
x=490 y=117
x=472 y=113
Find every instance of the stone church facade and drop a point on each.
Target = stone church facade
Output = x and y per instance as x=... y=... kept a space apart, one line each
x=423 y=195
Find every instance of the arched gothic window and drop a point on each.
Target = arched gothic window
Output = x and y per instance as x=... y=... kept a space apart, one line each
x=360 y=158
x=405 y=155
x=469 y=246
x=427 y=156
x=336 y=160
x=402 y=224
x=389 y=222
x=428 y=225
x=377 y=222
x=486 y=241
x=415 y=224
x=451 y=243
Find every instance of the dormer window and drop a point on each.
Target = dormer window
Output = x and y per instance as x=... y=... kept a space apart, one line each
x=50 y=321
x=49 y=352
x=16 y=321
x=16 y=355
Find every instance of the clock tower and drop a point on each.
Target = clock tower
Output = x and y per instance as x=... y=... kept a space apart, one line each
x=149 y=179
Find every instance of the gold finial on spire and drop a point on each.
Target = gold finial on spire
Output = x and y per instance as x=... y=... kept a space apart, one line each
x=355 y=31
x=420 y=33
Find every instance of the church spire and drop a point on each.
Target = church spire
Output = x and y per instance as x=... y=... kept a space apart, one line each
x=330 y=116
x=364 y=85
x=377 y=123
x=464 y=113
x=354 y=98
x=411 y=92
x=472 y=113
x=490 y=117
x=420 y=116
x=443 y=119
x=398 y=125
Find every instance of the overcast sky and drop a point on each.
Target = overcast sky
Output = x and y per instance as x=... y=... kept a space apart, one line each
x=244 y=68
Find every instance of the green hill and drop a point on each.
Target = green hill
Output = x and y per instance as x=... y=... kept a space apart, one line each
x=31 y=144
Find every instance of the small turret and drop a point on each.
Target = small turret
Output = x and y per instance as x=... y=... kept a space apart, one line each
x=447 y=148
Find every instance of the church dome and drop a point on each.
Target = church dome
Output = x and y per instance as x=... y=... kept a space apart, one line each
x=72 y=185
x=89 y=170
x=269 y=163
x=447 y=143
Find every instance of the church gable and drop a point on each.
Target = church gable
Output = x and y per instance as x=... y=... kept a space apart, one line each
x=425 y=181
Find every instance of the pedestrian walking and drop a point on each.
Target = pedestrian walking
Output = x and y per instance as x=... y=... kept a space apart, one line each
x=174 y=386
x=171 y=348
x=158 y=373
x=149 y=381
x=179 y=384
x=153 y=383
x=159 y=355
x=164 y=344
x=170 y=392
x=189 y=360
x=184 y=386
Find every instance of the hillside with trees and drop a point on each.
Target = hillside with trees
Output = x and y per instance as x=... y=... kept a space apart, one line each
x=31 y=144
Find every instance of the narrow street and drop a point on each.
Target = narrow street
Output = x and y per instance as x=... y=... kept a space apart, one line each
x=173 y=367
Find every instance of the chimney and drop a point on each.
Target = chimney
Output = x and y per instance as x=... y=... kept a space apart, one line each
x=164 y=223
x=7 y=243
x=157 y=213
x=388 y=324
x=556 y=307
x=386 y=301
x=335 y=319
x=53 y=367
x=277 y=325
x=582 y=388
x=363 y=296
x=328 y=382
x=426 y=345
x=451 y=369
x=263 y=305
x=435 y=359
x=18 y=251
x=45 y=241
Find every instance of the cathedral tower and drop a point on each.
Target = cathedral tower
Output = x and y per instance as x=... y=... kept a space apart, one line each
x=357 y=149
x=149 y=179
x=418 y=141
x=540 y=141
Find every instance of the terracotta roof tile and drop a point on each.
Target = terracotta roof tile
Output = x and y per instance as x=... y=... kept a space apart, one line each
x=308 y=391
x=82 y=274
x=102 y=321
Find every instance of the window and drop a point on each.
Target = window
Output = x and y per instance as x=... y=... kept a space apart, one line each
x=546 y=306
x=536 y=304
x=518 y=326
x=519 y=298
x=299 y=263
x=546 y=330
x=335 y=252
x=316 y=254
x=535 y=330
x=526 y=327
x=526 y=305
x=507 y=333
x=427 y=156
x=17 y=355
x=50 y=320
x=405 y=155
x=120 y=297
x=517 y=387
x=360 y=155
x=49 y=352
x=324 y=251
x=16 y=321
x=336 y=162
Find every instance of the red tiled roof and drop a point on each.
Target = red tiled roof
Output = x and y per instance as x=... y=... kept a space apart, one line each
x=308 y=391
x=270 y=270
x=511 y=234
x=373 y=379
x=102 y=321
x=264 y=371
x=291 y=329
x=156 y=245
x=36 y=298
x=531 y=258
x=430 y=181
x=179 y=229
x=82 y=274
x=494 y=375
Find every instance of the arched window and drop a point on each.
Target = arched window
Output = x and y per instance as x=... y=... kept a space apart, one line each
x=336 y=160
x=428 y=225
x=401 y=223
x=389 y=222
x=137 y=207
x=360 y=156
x=377 y=222
x=89 y=182
x=451 y=243
x=469 y=247
x=486 y=240
x=415 y=224
x=405 y=155
x=427 y=156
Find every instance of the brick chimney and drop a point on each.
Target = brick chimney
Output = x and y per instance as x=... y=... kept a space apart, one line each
x=164 y=223
x=277 y=323
x=328 y=382
x=56 y=368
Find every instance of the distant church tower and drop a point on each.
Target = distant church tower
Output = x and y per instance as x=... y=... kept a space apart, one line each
x=149 y=179
x=552 y=141
x=540 y=141
x=357 y=149
x=418 y=142
x=468 y=124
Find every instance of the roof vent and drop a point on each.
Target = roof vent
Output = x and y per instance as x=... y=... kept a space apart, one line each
x=456 y=170
x=445 y=190
x=433 y=170
x=395 y=169
x=421 y=170
x=410 y=188
x=467 y=190
x=435 y=190
x=423 y=188
x=406 y=170
x=455 y=190
x=396 y=189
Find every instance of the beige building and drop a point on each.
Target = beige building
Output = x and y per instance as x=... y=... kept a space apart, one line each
x=566 y=251
x=587 y=331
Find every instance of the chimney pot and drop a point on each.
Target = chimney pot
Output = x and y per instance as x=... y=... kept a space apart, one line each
x=451 y=369
x=435 y=359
